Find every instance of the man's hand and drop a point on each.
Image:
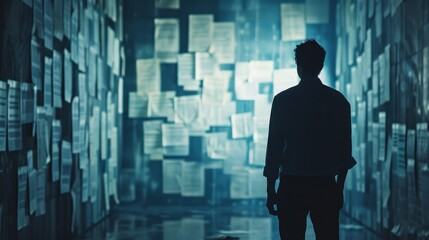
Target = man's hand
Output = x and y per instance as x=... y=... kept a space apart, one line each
x=271 y=196
x=271 y=201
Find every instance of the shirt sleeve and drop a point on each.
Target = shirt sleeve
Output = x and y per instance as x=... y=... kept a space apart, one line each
x=275 y=143
x=348 y=160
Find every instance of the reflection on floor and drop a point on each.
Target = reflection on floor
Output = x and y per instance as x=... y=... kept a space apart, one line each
x=170 y=223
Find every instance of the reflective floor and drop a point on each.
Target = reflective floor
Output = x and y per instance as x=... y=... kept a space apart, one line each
x=162 y=223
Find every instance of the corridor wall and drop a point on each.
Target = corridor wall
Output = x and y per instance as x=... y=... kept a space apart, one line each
x=61 y=78
x=382 y=68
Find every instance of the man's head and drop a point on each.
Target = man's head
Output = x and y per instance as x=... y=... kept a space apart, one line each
x=309 y=58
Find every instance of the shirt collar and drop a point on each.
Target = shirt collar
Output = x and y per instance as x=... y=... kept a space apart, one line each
x=306 y=81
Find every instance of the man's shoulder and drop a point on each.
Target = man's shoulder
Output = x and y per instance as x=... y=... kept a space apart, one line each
x=336 y=95
x=290 y=92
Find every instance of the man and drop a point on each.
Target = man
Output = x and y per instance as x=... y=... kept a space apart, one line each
x=309 y=144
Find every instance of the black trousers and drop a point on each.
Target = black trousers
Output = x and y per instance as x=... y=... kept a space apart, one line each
x=299 y=195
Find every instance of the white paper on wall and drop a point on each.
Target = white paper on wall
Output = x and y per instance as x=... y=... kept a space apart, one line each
x=261 y=71
x=66 y=167
x=3 y=114
x=169 y=4
x=192 y=179
x=200 y=32
x=284 y=79
x=242 y=125
x=224 y=42
x=167 y=39
x=161 y=104
x=317 y=11
x=137 y=105
x=41 y=187
x=171 y=175
x=148 y=76
x=175 y=139
x=22 y=216
x=152 y=136
x=293 y=21
x=14 y=130
x=186 y=109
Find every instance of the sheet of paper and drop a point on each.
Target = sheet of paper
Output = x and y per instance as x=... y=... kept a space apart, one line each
x=66 y=166
x=58 y=19
x=55 y=162
x=378 y=18
x=215 y=90
x=41 y=140
x=425 y=81
x=200 y=32
x=385 y=75
x=137 y=105
x=261 y=106
x=237 y=155
x=120 y=95
x=215 y=144
x=186 y=109
x=192 y=179
x=106 y=191
x=244 y=89
x=36 y=69
x=284 y=79
x=260 y=129
x=67 y=18
x=38 y=17
x=317 y=11
x=257 y=154
x=217 y=115
x=41 y=188
x=170 y=229
x=170 y=4
x=224 y=42
x=386 y=184
x=75 y=125
x=32 y=190
x=167 y=39
x=205 y=65
x=175 y=139
x=161 y=104
x=48 y=24
x=14 y=131
x=152 y=136
x=239 y=187
x=92 y=71
x=186 y=71
x=242 y=125
x=368 y=56
x=293 y=21
x=3 y=116
x=74 y=45
x=67 y=77
x=171 y=175
x=85 y=184
x=261 y=71
x=47 y=89
x=148 y=76
x=22 y=216
x=57 y=78
x=27 y=103
x=375 y=82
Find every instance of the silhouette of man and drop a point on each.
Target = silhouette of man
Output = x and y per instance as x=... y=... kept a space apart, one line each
x=309 y=144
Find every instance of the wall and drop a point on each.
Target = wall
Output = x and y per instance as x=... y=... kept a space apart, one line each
x=381 y=65
x=62 y=111
x=217 y=166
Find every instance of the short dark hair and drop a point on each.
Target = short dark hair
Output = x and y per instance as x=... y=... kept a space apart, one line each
x=310 y=56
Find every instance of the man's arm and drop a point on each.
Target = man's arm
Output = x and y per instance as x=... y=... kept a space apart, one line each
x=273 y=156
